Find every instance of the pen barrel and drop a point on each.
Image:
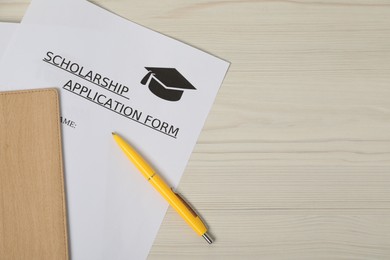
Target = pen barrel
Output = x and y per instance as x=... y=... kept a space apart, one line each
x=172 y=198
x=179 y=205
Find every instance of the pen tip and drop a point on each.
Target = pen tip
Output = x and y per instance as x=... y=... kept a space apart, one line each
x=207 y=238
x=113 y=133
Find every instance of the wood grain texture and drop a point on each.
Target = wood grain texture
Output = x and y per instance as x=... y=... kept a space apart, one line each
x=294 y=159
x=32 y=200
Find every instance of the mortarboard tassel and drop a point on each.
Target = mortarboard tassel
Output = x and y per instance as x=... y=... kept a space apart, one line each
x=145 y=79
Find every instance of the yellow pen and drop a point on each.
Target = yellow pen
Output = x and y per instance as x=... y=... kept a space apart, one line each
x=184 y=210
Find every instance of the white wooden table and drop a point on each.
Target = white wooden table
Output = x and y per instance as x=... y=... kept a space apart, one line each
x=294 y=159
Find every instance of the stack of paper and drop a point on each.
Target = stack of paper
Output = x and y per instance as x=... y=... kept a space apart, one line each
x=113 y=75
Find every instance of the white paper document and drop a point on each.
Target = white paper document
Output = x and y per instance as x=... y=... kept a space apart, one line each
x=113 y=76
x=6 y=32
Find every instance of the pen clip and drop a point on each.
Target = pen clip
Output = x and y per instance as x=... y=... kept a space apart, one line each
x=191 y=209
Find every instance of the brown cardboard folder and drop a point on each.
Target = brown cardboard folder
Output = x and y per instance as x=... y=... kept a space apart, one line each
x=32 y=199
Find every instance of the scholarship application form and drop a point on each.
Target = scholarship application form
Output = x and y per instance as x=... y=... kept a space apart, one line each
x=6 y=32
x=113 y=75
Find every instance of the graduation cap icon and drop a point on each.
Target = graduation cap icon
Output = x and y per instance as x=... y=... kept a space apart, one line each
x=166 y=83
